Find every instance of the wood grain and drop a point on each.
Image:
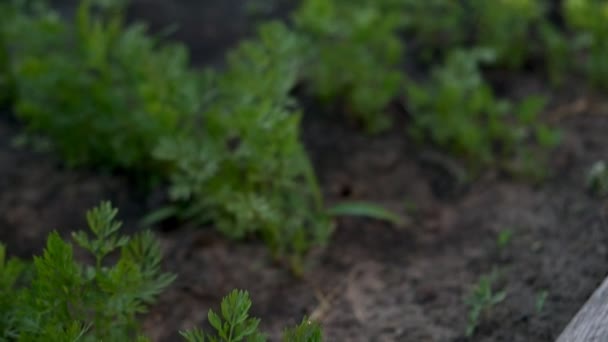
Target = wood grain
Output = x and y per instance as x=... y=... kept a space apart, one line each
x=591 y=322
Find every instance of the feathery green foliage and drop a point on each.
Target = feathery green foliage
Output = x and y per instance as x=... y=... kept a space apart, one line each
x=103 y=92
x=589 y=21
x=228 y=142
x=58 y=298
x=356 y=52
x=12 y=271
x=434 y=25
x=506 y=27
x=458 y=111
x=66 y=300
x=235 y=324
x=248 y=172
x=107 y=93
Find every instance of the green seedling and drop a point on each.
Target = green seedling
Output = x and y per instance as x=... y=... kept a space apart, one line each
x=504 y=239
x=597 y=179
x=235 y=324
x=481 y=301
x=62 y=299
x=541 y=299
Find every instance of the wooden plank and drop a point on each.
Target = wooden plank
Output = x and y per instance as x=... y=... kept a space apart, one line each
x=591 y=322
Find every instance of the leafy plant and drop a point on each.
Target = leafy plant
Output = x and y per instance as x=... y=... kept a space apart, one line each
x=558 y=52
x=589 y=21
x=246 y=169
x=355 y=54
x=435 y=25
x=102 y=91
x=66 y=300
x=481 y=300
x=457 y=110
x=236 y=325
x=506 y=27
x=57 y=298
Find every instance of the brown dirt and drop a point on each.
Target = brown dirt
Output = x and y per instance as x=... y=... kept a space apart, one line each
x=374 y=282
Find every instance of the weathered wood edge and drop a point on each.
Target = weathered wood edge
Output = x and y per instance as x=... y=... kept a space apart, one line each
x=591 y=322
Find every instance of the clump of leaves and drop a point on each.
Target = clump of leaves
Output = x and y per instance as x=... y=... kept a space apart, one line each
x=557 y=52
x=506 y=27
x=482 y=299
x=516 y=31
x=104 y=92
x=65 y=300
x=355 y=52
x=246 y=170
x=588 y=19
x=236 y=325
x=435 y=25
x=457 y=110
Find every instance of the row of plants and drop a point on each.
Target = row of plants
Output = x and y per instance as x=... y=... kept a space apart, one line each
x=58 y=298
x=108 y=94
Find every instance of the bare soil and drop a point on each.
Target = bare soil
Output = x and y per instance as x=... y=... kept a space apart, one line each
x=374 y=282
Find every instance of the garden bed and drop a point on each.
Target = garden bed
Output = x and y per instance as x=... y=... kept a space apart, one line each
x=374 y=282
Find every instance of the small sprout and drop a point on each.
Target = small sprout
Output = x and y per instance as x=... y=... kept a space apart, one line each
x=481 y=301
x=597 y=179
x=504 y=238
x=541 y=299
